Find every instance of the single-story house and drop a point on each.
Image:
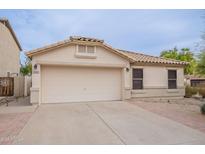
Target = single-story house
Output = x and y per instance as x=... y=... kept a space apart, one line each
x=83 y=69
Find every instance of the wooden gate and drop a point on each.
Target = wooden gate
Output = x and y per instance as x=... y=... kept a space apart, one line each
x=6 y=86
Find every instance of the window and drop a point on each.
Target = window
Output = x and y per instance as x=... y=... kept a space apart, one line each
x=82 y=48
x=137 y=76
x=90 y=49
x=172 y=79
x=86 y=49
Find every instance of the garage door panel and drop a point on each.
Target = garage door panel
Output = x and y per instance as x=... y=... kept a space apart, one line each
x=77 y=84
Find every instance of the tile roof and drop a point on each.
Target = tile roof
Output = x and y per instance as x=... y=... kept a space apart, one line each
x=143 y=58
x=132 y=56
x=80 y=38
x=8 y=25
x=47 y=47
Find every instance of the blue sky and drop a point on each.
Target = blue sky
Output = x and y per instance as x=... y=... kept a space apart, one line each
x=145 y=31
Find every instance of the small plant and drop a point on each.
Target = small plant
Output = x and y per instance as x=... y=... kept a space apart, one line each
x=190 y=91
x=194 y=90
x=203 y=109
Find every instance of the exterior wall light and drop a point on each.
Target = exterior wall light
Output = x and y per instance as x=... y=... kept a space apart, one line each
x=35 y=67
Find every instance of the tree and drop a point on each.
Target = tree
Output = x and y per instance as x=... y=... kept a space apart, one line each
x=172 y=54
x=184 y=55
x=200 y=69
x=27 y=68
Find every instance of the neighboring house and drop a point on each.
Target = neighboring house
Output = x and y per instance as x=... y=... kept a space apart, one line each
x=10 y=62
x=87 y=69
x=194 y=80
x=9 y=50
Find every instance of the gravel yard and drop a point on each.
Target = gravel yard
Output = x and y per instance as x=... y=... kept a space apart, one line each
x=185 y=111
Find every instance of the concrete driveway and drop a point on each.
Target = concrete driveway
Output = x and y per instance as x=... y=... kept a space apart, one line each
x=103 y=123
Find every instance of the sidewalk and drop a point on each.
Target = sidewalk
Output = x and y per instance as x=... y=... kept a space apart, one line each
x=13 y=118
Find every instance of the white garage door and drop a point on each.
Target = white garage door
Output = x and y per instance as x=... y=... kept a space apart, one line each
x=76 y=84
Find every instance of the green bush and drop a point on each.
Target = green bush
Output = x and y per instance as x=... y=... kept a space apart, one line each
x=203 y=109
x=202 y=92
x=194 y=90
x=190 y=91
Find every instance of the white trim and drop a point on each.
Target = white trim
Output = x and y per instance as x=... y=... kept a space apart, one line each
x=43 y=62
x=171 y=68
x=95 y=49
x=140 y=67
x=40 y=86
x=86 y=48
x=85 y=55
x=155 y=87
x=172 y=90
x=123 y=84
x=138 y=91
x=76 y=48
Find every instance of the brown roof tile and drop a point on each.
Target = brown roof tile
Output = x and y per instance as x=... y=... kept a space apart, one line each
x=80 y=38
x=143 y=58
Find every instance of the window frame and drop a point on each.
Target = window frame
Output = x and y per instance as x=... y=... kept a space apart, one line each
x=82 y=51
x=86 y=49
x=88 y=52
x=172 y=79
x=137 y=79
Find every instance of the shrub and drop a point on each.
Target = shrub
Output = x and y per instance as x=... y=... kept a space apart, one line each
x=203 y=109
x=194 y=90
x=202 y=92
x=189 y=91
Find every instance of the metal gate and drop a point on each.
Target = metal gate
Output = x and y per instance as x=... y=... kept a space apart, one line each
x=6 y=86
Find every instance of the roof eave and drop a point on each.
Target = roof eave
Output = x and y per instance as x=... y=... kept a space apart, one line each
x=66 y=42
x=168 y=62
x=47 y=48
x=158 y=63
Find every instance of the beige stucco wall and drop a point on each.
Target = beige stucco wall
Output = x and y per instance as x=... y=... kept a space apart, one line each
x=66 y=56
x=155 y=82
x=9 y=52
